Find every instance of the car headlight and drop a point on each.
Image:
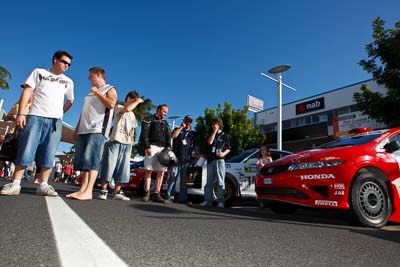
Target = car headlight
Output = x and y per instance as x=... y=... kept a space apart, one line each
x=313 y=165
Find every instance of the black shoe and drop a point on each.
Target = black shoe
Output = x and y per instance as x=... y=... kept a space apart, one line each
x=157 y=198
x=146 y=197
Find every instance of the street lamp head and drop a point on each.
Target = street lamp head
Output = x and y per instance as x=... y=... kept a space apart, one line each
x=280 y=69
x=173 y=117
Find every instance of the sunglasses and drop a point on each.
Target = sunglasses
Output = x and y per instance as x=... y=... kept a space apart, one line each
x=65 y=62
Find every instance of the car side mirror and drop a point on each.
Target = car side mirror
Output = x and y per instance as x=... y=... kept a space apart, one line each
x=392 y=146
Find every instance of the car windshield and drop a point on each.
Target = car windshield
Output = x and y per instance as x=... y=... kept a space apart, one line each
x=351 y=141
x=240 y=157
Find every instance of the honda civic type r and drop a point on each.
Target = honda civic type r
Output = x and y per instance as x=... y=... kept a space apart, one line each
x=359 y=173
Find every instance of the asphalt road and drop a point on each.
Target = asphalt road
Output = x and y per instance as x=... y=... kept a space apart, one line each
x=135 y=233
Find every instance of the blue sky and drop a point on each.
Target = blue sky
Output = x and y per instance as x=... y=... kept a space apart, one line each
x=193 y=54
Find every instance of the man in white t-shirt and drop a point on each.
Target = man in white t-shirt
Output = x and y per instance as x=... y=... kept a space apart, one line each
x=57 y=173
x=40 y=130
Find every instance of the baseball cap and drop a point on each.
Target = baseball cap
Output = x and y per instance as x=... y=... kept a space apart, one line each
x=188 y=118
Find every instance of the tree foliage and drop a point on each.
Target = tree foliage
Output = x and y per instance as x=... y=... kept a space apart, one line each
x=384 y=65
x=143 y=109
x=4 y=75
x=240 y=129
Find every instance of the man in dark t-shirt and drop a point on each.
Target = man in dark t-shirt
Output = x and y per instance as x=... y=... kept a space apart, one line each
x=185 y=143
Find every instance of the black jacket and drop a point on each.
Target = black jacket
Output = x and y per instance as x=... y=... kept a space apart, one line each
x=155 y=132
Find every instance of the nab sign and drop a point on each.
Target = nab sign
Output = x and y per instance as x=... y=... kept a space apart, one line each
x=309 y=106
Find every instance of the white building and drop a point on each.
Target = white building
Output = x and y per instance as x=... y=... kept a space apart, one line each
x=315 y=120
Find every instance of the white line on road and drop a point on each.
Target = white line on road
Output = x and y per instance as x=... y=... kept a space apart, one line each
x=77 y=244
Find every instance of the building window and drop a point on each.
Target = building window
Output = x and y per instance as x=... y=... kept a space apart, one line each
x=354 y=108
x=287 y=124
x=323 y=117
x=342 y=111
x=314 y=118
x=301 y=121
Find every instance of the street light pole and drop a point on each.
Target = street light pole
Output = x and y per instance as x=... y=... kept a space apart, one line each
x=278 y=71
x=173 y=118
x=279 y=121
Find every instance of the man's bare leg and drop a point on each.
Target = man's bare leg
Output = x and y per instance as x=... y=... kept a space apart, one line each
x=84 y=184
x=87 y=193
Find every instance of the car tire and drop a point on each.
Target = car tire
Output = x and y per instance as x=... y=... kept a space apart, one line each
x=282 y=208
x=229 y=193
x=369 y=201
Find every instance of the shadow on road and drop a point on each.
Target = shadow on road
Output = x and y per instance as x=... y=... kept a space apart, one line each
x=333 y=219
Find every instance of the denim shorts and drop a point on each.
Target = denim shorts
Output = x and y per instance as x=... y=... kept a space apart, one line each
x=88 y=151
x=116 y=162
x=38 y=141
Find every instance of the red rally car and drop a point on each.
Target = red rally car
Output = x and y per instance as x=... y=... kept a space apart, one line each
x=359 y=173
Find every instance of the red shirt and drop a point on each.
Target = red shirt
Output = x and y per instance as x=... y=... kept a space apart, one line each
x=68 y=169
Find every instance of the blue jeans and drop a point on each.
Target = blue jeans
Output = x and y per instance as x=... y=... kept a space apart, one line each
x=88 y=152
x=26 y=174
x=116 y=161
x=174 y=173
x=39 y=137
x=215 y=172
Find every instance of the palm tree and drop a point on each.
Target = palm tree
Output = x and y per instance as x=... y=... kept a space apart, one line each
x=4 y=75
x=143 y=109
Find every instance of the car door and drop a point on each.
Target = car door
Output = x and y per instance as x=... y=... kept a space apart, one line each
x=247 y=174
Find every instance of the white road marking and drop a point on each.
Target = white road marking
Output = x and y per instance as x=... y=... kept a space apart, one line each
x=392 y=228
x=77 y=244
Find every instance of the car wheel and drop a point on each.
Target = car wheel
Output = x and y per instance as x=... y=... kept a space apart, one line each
x=369 y=201
x=282 y=208
x=229 y=193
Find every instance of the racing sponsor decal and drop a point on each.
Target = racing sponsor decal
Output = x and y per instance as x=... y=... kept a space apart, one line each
x=339 y=186
x=329 y=158
x=317 y=176
x=300 y=156
x=338 y=193
x=326 y=203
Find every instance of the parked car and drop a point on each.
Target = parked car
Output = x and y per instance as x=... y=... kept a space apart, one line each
x=358 y=173
x=136 y=181
x=239 y=178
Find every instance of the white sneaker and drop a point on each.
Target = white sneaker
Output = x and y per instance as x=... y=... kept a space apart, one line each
x=48 y=191
x=103 y=194
x=11 y=189
x=221 y=205
x=205 y=204
x=120 y=196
